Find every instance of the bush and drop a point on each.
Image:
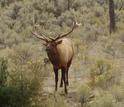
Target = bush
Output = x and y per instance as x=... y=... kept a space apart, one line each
x=102 y=74
x=20 y=78
x=118 y=93
x=85 y=94
x=3 y=71
x=10 y=97
x=104 y=101
x=25 y=74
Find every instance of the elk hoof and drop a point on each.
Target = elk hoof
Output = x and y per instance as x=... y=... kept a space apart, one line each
x=66 y=92
x=55 y=89
x=61 y=85
x=67 y=83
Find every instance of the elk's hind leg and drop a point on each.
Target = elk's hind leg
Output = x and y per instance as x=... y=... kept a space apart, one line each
x=64 y=70
x=68 y=65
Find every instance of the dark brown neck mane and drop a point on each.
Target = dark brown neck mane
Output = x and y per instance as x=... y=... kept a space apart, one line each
x=53 y=56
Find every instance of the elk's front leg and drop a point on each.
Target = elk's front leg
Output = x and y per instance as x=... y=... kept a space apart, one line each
x=67 y=78
x=61 y=84
x=56 y=78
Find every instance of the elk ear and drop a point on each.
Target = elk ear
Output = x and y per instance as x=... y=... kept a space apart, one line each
x=59 y=42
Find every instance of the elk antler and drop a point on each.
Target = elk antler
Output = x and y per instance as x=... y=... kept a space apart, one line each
x=40 y=37
x=51 y=38
x=64 y=35
x=75 y=24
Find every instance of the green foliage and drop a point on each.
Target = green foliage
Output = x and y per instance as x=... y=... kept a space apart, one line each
x=104 y=101
x=55 y=101
x=118 y=93
x=85 y=95
x=20 y=87
x=102 y=74
x=10 y=97
x=3 y=72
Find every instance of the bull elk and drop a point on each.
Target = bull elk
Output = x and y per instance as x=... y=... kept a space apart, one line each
x=60 y=53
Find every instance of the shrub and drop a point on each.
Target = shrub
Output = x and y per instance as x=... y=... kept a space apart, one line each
x=20 y=78
x=3 y=72
x=10 y=97
x=85 y=94
x=118 y=93
x=102 y=74
x=25 y=74
x=104 y=101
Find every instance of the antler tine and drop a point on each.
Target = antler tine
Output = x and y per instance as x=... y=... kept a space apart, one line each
x=51 y=38
x=45 y=37
x=57 y=36
x=40 y=37
x=64 y=35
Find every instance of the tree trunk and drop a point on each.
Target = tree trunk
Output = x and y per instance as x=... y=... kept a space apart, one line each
x=112 y=16
x=57 y=11
x=56 y=3
x=68 y=4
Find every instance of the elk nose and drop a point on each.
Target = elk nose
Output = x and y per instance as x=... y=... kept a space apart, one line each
x=47 y=49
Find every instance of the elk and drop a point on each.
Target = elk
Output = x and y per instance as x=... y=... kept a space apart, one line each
x=60 y=52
